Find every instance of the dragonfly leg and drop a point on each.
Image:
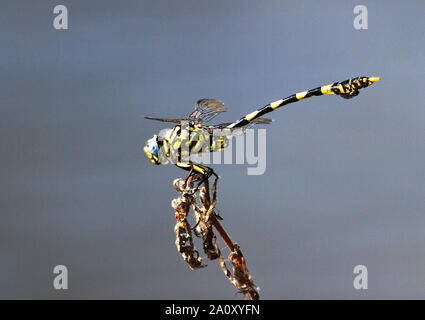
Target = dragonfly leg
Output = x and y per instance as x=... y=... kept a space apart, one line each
x=197 y=172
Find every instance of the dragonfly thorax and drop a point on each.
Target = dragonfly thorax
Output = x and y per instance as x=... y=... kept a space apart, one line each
x=179 y=143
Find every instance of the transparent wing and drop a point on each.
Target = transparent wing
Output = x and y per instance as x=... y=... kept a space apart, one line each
x=206 y=110
x=258 y=121
x=166 y=120
x=237 y=131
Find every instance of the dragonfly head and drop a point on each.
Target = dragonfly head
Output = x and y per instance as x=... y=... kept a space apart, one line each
x=152 y=150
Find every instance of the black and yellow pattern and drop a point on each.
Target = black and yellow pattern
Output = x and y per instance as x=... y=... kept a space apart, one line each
x=188 y=139
x=190 y=136
x=346 y=89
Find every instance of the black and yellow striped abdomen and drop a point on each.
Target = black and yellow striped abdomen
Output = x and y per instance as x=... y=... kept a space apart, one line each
x=346 y=89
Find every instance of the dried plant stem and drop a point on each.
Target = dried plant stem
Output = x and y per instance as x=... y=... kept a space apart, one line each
x=219 y=227
x=206 y=218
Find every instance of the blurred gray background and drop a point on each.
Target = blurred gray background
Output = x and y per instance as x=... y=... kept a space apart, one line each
x=345 y=179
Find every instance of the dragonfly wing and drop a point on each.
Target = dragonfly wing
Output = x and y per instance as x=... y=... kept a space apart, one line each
x=221 y=125
x=206 y=110
x=262 y=121
x=166 y=120
x=257 y=121
x=237 y=131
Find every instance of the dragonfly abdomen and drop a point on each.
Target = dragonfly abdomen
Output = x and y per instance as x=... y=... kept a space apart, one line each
x=346 y=89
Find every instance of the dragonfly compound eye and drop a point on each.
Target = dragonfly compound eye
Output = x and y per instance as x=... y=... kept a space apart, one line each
x=152 y=150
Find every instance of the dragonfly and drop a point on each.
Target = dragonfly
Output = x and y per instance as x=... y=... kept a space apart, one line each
x=192 y=135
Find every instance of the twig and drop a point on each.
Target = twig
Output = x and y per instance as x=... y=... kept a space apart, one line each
x=206 y=218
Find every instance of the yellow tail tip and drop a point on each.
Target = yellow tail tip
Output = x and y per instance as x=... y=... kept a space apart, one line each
x=374 y=79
